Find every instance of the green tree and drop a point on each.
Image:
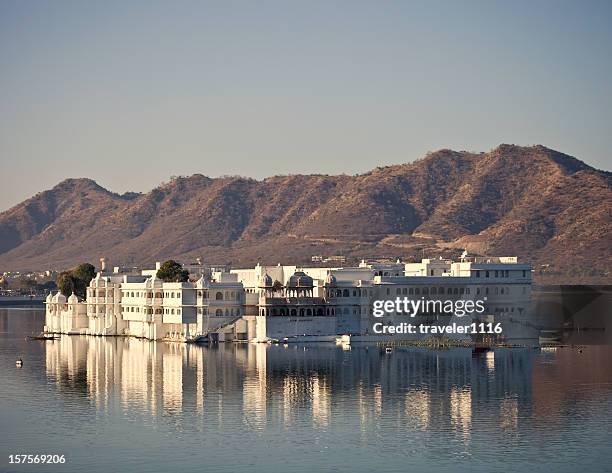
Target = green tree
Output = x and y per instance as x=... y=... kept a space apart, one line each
x=171 y=271
x=85 y=272
x=65 y=283
x=76 y=280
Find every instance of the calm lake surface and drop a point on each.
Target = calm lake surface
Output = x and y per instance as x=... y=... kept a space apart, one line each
x=121 y=405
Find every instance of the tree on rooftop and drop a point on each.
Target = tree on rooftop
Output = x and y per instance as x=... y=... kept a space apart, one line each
x=85 y=272
x=66 y=283
x=76 y=280
x=171 y=271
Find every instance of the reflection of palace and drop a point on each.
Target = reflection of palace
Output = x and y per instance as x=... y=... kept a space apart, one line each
x=275 y=302
x=259 y=384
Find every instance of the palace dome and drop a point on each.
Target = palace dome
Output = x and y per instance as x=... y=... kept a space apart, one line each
x=59 y=298
x=73 y=299
x=300 y=279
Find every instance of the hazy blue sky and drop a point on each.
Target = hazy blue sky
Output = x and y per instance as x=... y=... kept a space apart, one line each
x=130 y=93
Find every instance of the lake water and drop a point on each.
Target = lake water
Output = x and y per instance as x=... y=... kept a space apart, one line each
x=113 y=404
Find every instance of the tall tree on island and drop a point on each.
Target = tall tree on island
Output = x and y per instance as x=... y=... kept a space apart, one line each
x=76 y=280
x=171 y=271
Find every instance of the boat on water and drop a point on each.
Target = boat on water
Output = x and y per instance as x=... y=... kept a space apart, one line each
x=43 y=336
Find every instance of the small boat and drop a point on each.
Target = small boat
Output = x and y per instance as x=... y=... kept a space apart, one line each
x=43 y=336
x=388 y=350
x=19 y=362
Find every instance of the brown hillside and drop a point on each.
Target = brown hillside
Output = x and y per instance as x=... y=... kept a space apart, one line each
x=539 y=204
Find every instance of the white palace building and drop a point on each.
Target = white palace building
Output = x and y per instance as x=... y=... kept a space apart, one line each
x=268 y=303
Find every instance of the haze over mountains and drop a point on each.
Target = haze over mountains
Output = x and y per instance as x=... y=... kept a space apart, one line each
x=544 y=206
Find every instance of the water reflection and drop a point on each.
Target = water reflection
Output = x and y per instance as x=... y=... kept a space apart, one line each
x=276 y=383
x=274 y=405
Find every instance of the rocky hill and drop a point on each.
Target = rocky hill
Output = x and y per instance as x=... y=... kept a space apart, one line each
x=542 y=205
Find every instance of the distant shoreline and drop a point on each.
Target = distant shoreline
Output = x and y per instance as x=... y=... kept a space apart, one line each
x=21 y=301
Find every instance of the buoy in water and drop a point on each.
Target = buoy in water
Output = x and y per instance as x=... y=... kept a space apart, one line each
x=19 y=362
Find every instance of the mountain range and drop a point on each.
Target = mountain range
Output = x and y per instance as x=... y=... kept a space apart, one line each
x=545 y=206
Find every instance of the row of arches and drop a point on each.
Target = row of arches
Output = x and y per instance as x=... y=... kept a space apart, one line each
x=221 y=295
x=354 y=292
x=432 y=290
x=228 y=312
x=307 y=311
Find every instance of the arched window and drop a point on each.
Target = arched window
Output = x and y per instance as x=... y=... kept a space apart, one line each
x=398 y=291
x=219 y=313
x=417 y=291
x=345 y=293
x=410 y=291
x=308 y=312
x=293 y=312
x=219 y=296
x=433 y=291
x=319 y=311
